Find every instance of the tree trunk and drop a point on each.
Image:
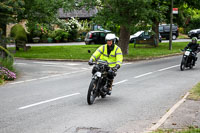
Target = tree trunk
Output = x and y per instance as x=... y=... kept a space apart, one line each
x=124 y=39
x=155 y=28
x=3 y=42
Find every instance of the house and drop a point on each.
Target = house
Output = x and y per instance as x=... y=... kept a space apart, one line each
x=81 y=14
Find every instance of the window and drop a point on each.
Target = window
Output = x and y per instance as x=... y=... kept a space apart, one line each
x=102 y=34
x=160 y=28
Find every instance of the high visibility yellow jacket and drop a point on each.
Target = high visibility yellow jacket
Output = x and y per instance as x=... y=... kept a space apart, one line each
x=114 y=58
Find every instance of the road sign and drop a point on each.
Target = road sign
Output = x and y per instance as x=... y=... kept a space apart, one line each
x=175 y=10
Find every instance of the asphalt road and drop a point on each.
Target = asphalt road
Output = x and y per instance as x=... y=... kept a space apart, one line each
x=50 y=97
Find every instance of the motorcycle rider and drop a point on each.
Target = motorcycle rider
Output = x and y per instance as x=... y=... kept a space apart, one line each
x=194 y=46
x=111 y=53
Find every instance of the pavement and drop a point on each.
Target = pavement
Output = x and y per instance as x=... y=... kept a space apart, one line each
x=50 y=44
x=187 y=115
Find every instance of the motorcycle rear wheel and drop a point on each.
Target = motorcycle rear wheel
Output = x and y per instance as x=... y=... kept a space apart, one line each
x=91 y=92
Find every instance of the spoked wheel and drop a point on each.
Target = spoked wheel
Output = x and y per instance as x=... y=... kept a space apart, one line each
x=182 y=66
x=183 y=63
x=191 y=65
x=91 y=92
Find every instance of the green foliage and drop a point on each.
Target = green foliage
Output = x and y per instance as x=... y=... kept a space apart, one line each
x=60 y=34
x=84 y=28
x=9 y=10
x=187 y=9
x=41 y=11
x=124 y=12
x=19 y=33
x=194 y=23
x=1 y=79
x=181 y=30
x=39 y=30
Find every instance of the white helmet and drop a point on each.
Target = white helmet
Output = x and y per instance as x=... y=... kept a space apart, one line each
x=110 y=36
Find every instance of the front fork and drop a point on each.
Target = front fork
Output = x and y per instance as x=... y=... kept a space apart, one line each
x=185 y=60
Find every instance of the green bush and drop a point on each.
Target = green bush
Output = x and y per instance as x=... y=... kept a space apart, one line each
x=193 y=24
x=181 y=30
x=60 y=35
x=19 y=33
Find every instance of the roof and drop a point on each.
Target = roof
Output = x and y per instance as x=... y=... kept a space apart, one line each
x=83 y=13
x=106 y=31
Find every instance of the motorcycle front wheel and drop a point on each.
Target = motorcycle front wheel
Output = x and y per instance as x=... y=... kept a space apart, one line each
x=192 y=64
x=182 y=66
x=91 y=92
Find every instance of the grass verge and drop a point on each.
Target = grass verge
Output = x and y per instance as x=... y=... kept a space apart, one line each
x=195 y=92
x=1 y=81
x=81 y=52
x=183 y=36
x=192 y=130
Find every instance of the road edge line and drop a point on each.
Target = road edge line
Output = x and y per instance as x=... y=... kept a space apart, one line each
x=164 y=118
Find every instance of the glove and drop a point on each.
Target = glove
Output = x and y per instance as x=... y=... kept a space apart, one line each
x=116 y=67
x=90 y=62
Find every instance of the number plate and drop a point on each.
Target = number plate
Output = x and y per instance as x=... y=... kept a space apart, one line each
x=98 y=74
x=187 y=53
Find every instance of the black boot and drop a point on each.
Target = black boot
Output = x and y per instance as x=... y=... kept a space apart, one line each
x=108 y=87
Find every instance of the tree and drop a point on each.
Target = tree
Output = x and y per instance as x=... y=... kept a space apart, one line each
x=128 y=14
x=160 y=7
x=9 y=10
x=41 y=11
x=186 y=11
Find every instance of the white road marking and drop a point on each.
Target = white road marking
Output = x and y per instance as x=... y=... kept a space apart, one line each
x=72 y=64
x=30 y=80
x=44 y=77
x=126 y=64
x=120 y=82
x=164 y=118
x=47 y=101
x=52 y=63
x=160 y=70
x=168 y=68
x=20 y=63
x=47 y=63
x=86 y=68
x=17 y=82
x=63 y=66
x=142 y=75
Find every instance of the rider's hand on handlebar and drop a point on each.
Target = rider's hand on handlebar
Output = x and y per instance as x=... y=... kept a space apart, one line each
x=90 y=62
x=116 y=68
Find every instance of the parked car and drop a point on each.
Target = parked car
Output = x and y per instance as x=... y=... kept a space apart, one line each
x=164 y=31
x=194 y=33
x=97 y=37
x=142 y=35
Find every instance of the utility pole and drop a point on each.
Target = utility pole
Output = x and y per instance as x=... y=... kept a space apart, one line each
x=171 y=22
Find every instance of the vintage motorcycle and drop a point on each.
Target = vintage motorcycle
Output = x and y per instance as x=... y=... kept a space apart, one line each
x=187 y=59
x=98 y=82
